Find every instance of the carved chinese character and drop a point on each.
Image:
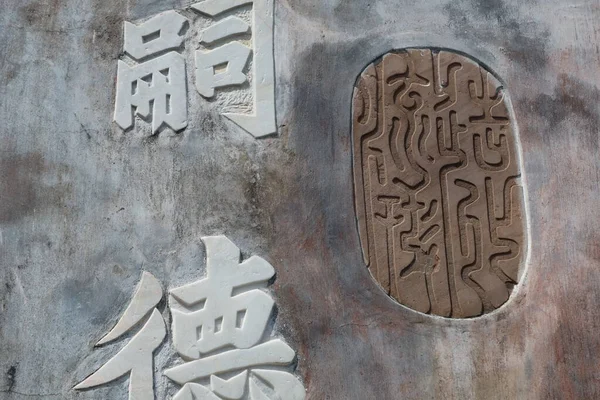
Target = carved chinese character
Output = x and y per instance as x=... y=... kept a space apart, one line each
x=235 y=56
x=218 y=327
x=153 y=87
x=438 y=192
x=136 y=357
x=218 y=323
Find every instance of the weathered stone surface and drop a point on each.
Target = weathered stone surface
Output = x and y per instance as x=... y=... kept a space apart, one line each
x=85 y=207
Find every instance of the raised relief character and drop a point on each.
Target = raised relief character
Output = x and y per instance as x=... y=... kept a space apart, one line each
x=153 y=85
x=218 y=326
x=136 y=358
x=235 y=56
x=437 y=176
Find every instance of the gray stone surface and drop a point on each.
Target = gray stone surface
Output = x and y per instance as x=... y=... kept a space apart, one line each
x=85 y=208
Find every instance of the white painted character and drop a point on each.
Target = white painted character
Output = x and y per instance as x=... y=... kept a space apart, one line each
x=235 y=56
x=136 y=358
x=154 y=85
x=218 y=326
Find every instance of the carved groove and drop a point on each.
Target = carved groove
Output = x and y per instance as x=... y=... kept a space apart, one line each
x=437 y=181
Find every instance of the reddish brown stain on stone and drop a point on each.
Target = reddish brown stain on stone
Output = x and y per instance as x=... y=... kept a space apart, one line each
x=18 y=194
x=22 y=187
x=41 y=15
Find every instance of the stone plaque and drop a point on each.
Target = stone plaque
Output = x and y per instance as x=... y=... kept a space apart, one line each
x=437 y=182
x=299 y=200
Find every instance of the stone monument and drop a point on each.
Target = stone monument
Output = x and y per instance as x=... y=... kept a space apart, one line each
x=299 y=199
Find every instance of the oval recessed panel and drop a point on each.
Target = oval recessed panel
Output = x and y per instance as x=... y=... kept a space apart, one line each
x=438 y=192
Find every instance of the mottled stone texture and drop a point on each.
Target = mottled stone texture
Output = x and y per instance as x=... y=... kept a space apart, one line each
x=84 y=208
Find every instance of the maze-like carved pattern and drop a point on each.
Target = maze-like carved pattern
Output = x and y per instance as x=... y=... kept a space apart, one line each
x=437 y=181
